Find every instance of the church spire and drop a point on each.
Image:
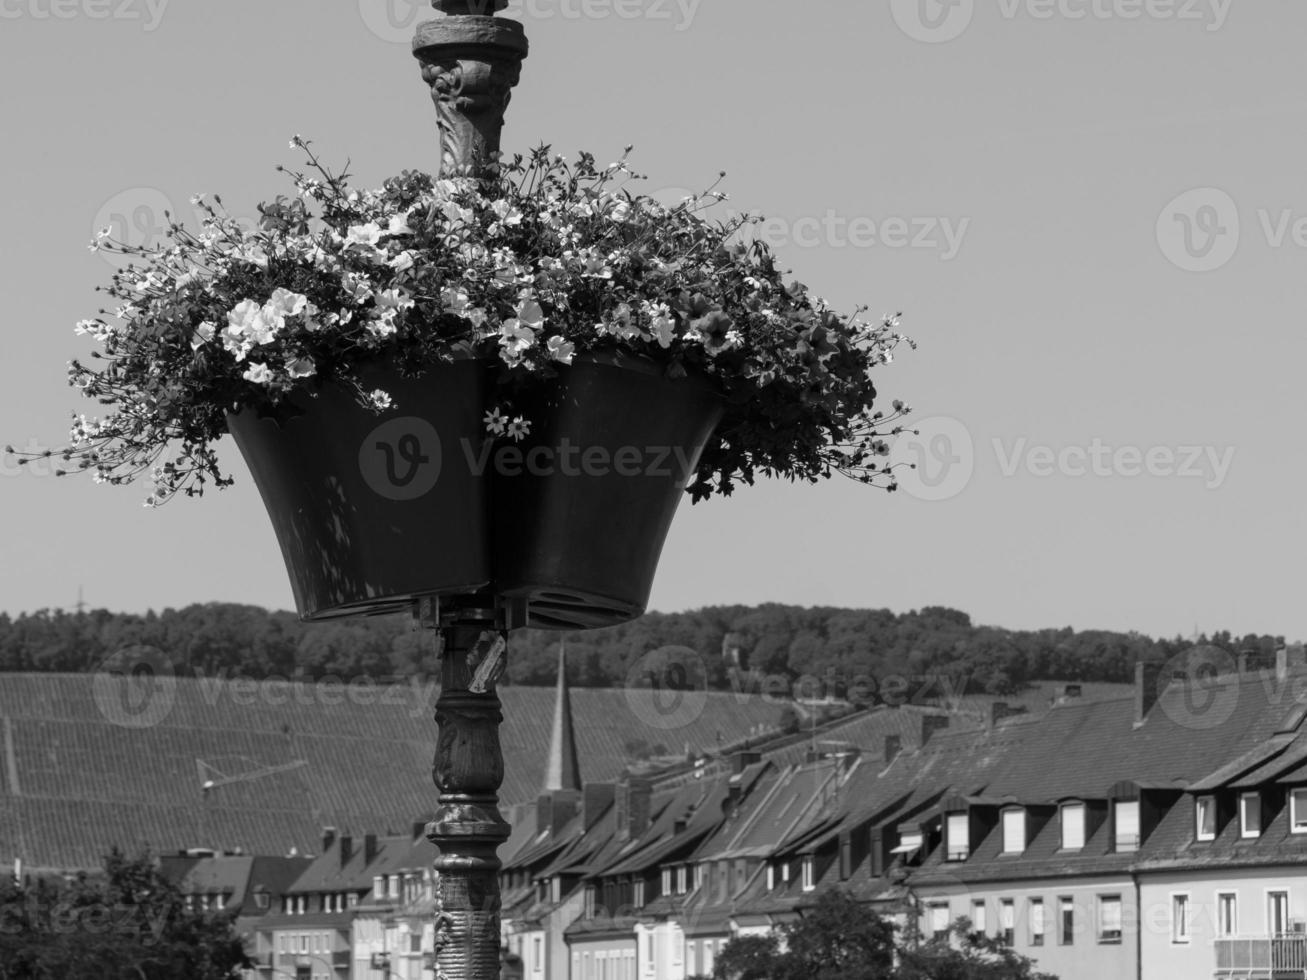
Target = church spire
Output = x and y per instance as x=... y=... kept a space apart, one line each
x=563 y=771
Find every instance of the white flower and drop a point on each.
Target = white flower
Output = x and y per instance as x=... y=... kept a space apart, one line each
x=380 y=399
x=284 y=303
x=495 y=422
x=455 y=214
x=85 y=327
x=203 y=334
x=506 y=213
x=259 y=374
x=394 y=300
x=402 y=262
x=561 y=350
x=531 y=314
x=399 y=224
x=369 y=235
x=384 y=325
x=301 y=367
x=518 y=429
x=621 y=211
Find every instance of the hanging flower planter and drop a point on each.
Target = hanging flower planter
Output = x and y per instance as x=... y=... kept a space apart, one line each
x=639 y=351
x=582 y=512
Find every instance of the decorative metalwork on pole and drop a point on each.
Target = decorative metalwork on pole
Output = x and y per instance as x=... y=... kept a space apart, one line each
x=471 y=59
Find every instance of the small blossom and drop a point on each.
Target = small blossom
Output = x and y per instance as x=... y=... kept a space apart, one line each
x=259 y=374
x=301 y=367
x=561 y=350
x=284 y=303
x=496 y=422
x=519 y=429
x=368 y=235
x=203 y=334
x=380 y=399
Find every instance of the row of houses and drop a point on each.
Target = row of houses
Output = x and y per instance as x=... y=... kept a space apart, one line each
x=1158 y=834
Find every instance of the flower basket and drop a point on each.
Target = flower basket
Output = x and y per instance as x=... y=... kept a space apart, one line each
x=372 y=510
x=578 y=529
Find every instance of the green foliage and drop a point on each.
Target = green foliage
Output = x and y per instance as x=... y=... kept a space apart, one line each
x=838 y=938
x=842 y=652
x=130 y=923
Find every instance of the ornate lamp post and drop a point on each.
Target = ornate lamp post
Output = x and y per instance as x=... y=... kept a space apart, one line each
x=471 y=61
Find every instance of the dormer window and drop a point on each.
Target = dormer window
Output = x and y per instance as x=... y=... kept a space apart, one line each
x=910 y=842
x=771 y=877
x=1250 y=815
x=958 y=836
x=1205 y=818
x=1014 y=831
x=379 y=886
x=1073 y=827
x=1127 y=825
x=682 y=880
x=666 y=881
x=809 y=875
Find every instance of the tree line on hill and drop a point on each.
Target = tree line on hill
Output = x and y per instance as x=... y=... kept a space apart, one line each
x=773 y=648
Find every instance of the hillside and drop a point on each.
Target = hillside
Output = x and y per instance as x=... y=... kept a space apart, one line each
x=95 y=761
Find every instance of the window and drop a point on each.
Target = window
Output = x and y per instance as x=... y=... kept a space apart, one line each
x=1127 y=825
x=1277 y=913
x=939 y=919
x=1007 y=922
x=707 y=957
x=785 y=872
x=958 y=834
x=1073 y=827
x=1298 y=811
x=666 y=881
x=1250 y=815
x=1205 y=818
x=304 y=942
x=393 y=883
x=379 y=886
x=1179 y=918
x=585 y=967
x=1036 y=922
x=809 y=878
x=1227 y=914
x=978 y=916
x=771 y=877
x=1066 y=924
x=1109 y=918
x=639 y=894
x=700 y=872
x=589 y=901
x=649 y=965
x=682 y=880
x=1014 y=831
x=537 y=954
x=677 y=954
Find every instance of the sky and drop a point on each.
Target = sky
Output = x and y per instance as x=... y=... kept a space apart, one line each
x=1092 y=214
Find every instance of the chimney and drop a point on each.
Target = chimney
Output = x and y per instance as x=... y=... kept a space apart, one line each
x=1072 y=691
x=930 y=724
x=893 y=746
x=346 y=849
x=634 y=804
x=595 y=799
x=554 y=810
x=369 y=848
x=328 y=838
x=1148 y=686
x=741 y=761
x=997 y=712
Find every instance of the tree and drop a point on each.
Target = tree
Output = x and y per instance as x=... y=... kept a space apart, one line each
x=129 y=923
x=966 y=955
x=838 y=938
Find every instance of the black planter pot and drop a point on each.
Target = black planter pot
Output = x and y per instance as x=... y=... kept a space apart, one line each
x=579 y=523
x=372 y=511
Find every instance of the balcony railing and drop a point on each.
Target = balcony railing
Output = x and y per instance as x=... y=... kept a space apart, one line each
x=1268 y=957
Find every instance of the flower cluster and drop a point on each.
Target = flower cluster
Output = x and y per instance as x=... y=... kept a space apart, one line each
x=539 y=262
